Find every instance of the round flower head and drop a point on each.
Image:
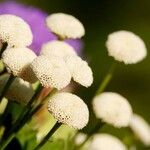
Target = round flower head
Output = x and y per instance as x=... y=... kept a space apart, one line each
x=57 y=48
x=80 y=138
x=15 y=31
x=126 y=47
x=19 y=91
x=65 y=26
x=141 y=129
x=69 y=109
x=51 y=71
x=80 y=70
x=113 y=109
x=17 y=61
x=106 y=142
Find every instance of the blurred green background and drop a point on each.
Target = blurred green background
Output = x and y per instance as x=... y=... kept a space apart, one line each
x=101 y=17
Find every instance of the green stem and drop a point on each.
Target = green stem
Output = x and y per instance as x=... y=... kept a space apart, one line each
x=46 y=138
x=19 y=122
x=24 y=117
x=4 y=142
x=7 y=85
x=106 y=79
x=4 y=46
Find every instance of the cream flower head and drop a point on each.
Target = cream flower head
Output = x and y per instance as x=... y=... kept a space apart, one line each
x=80 y=70
x=141 y=129
x=19 y=91
x=126 y=47
x=17 y=61
x=51 y=71
x=69 y=109
x=57 y=48
x=65 y=26
x=15 y=31
x=106 y=142
x=113 y=109
x=80 y=138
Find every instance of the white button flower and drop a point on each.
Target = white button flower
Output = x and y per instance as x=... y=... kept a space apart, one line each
x=106 y=142
x=15 y=31
x=51 y=71
x=17 y=61
x=113 y=109
x=126 y=47
x=141 y=129
x=65 y=26
x=69 y=109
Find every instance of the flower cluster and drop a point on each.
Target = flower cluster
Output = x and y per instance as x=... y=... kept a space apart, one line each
x=27 y=76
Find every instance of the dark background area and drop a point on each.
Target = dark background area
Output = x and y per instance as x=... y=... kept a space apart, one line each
x=101 y=17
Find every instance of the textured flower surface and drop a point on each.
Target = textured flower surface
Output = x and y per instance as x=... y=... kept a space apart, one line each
x=15 y=31
x=141 y=129
x=51 y=71
x=36 y=19
x=80 y=70
x=106 y=142
x=69 y=109
x=20 y=90
x=126 y=47
x=112 y=108
x=57 y=48
x=65 y=26
x=17 y=61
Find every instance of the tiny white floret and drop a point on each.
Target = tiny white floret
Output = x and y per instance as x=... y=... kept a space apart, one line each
x=141 y=129
x=69 y=109
x=126 y=47
x=80 y=70
x=51 y=71
x=80 y=138
x=17 y=61
x=65 y=26
x=113 y=109
x=57 y=48
x=106 y=142
x=15 y=31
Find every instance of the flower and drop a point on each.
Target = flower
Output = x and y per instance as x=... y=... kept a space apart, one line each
x=17 y=61
x=34 y=16
x=69 y=109
x=19 y=91
x=57 y=48
x=51 y=71
x=141 y=129
x=80 y=138
x=106 y=142
x=126 y=47
x=15 y=31
x=80 y=70
x=65 y=26
x=113 y=109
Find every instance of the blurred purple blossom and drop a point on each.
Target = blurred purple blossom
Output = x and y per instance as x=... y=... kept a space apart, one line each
x=36 y=19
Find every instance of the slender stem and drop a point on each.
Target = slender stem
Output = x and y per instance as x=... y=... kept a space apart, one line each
x=51 y=132
x=4 y=46
x=106 y=79
x=4 y=142
x=7 y=85
x=24 y=117
x=26 y=110
x=19 y=122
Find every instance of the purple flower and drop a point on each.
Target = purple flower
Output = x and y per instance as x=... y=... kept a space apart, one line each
x=36 y=19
